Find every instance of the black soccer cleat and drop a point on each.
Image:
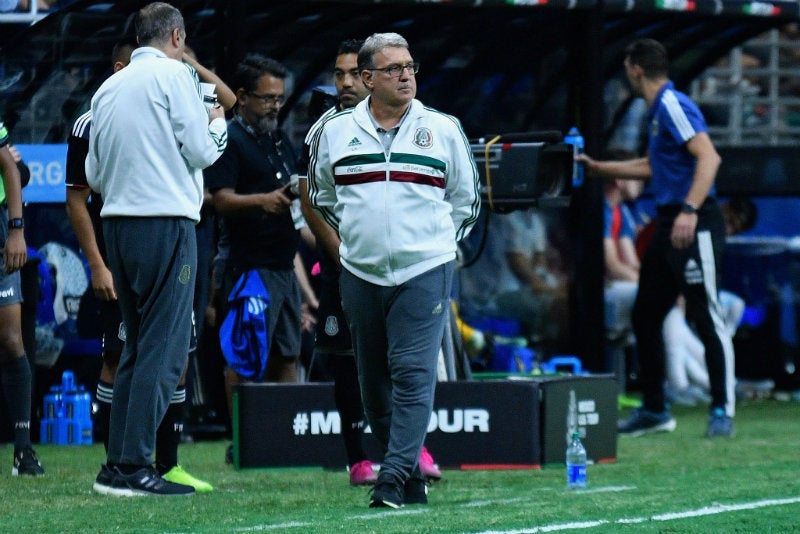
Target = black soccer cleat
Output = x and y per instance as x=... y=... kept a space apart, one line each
x=26 y=463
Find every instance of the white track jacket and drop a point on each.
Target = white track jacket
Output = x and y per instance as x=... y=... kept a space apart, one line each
x=398 y=215
x=151 y=138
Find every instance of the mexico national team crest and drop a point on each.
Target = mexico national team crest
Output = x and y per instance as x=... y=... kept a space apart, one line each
x=423 y=138
x=185 y=275
x=331 y=325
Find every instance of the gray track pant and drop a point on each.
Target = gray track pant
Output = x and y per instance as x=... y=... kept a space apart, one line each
x=153 y=260
x=397 y=333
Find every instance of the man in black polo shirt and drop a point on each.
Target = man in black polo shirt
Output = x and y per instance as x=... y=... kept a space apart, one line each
x=250 y=187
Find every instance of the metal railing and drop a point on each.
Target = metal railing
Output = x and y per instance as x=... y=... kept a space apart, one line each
x=754 y=103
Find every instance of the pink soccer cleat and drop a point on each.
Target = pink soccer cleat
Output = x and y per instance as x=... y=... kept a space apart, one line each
x=427 y=465
x=361 y=474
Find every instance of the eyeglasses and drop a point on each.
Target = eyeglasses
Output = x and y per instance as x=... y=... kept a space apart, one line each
x=269 y=99
x=394 y=71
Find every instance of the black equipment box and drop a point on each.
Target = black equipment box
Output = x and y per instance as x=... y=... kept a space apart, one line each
x=476 y=424
x=524 y=170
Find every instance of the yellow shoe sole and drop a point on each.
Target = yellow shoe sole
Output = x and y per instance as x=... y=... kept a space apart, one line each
x=179 y=476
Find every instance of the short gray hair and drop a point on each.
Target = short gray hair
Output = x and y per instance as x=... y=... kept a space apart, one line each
x=155 y=23
x=375 y=43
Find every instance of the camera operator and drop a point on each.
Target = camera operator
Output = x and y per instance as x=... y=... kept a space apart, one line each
x=251 y=189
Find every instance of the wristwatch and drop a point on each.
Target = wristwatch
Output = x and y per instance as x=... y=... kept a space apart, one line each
x=688 y=208
x=16 y=223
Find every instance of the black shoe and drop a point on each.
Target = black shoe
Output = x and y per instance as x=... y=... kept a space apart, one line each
x=388 y=491
x=641 y=421
x=415 y=491
x=720 y=424
x=26 y=463
x=102 y=484
x=145 y=481
x=229 y=454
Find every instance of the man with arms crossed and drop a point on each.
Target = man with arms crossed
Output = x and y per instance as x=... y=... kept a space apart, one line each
x=333 y=348
x=398 y=182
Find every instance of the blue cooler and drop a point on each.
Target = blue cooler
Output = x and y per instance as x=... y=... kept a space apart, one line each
x=563 y=364
x=67 y=414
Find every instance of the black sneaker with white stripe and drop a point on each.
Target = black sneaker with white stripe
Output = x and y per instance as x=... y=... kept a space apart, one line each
x=145 y=481
x=387 y=492
x=102 y=484
x=415 y=490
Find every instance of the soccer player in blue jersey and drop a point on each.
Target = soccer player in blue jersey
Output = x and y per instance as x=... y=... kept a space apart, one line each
x=684 y=256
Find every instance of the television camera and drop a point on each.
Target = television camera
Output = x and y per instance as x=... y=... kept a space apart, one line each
x=523 y=170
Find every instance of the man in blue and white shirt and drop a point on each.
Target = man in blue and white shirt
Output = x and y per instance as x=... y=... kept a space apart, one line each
x=684 y=256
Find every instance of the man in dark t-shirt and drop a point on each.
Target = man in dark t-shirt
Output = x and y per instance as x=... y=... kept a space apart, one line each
x=250 y=185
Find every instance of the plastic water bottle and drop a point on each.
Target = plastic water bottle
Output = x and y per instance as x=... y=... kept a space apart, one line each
x=67 y=381
x=575 y=139
x=576 y=463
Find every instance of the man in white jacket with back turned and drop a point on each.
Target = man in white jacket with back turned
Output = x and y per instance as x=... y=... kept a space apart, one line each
x=398 y=182
x=151 y=137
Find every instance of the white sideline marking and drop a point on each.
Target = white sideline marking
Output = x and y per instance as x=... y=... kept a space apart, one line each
x=717 y=508
x=297 y=524
x=259 y=528
x=706 y=510
x=389 y=513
